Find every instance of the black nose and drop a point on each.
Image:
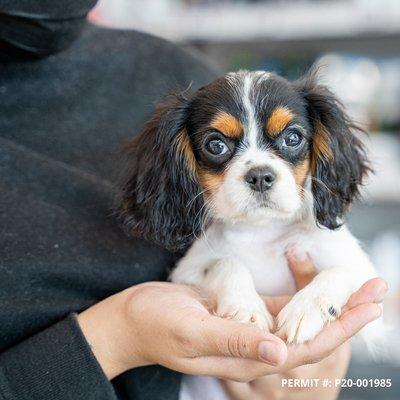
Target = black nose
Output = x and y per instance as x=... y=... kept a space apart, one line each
x=260 y=179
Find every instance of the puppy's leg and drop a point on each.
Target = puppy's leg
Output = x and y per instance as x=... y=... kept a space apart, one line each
x=310 y=308
x=345 y=268
x=232 y=285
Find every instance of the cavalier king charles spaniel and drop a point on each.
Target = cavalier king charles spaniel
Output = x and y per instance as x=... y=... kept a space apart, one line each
x=234 y=175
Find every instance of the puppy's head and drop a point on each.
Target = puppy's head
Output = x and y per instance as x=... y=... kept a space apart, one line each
x=242 y=148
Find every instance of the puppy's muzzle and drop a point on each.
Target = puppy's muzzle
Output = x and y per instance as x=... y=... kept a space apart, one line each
x=260 y=179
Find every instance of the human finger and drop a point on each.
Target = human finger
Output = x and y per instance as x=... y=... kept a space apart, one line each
x=301 y=266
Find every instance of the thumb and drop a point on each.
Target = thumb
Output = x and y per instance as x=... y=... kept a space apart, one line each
x=234 y=339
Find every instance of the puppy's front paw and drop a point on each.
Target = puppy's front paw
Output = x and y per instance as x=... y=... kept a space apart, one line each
x=247 y=309
x=304 y=316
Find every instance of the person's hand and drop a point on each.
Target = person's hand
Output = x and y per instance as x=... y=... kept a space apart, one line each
x=171 y=325
x=332 y=367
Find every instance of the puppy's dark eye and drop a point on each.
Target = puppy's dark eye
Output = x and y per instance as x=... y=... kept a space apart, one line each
x=292 y=139
x=216 y=147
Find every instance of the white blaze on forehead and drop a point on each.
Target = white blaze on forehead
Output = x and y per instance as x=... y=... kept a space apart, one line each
x=245 y=86
x=249 y=96
x=251 y=125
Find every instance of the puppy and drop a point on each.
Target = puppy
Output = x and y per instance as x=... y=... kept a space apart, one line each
x=235 y=174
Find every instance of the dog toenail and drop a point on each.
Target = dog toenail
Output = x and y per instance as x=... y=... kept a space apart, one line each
x=332 y=311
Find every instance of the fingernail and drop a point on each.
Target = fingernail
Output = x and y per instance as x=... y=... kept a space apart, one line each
x=271 y=352
x=377 y=312
x=289 y=248
x=381 y=292
x=301 y=256
x=298 y=255
x=295 y=252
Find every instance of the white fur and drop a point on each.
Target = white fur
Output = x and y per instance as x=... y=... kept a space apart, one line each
x=242 y=253
x=232 y=252
x=250 y=258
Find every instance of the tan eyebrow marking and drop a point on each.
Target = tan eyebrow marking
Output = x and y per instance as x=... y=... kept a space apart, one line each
x=278 y=120
x=227 y=124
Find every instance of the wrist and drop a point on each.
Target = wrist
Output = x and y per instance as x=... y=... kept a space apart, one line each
x=106 y=328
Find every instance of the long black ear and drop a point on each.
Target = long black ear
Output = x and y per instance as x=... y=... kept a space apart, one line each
x=159 y=197
x=338 y=159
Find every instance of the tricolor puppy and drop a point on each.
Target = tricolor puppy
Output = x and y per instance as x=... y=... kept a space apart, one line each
x=237 y=173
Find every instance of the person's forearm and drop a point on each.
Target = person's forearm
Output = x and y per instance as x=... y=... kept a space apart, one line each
x=105 y=328
x=51 y=364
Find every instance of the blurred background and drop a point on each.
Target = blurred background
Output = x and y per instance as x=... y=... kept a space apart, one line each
x=357 y=45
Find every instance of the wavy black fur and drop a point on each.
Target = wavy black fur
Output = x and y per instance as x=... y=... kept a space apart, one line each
x=160 y=200
x=337 y=181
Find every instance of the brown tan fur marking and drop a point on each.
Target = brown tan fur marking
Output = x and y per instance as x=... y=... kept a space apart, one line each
x=301 y=171
x=184 y=146
x=321 y=150
x=278 y=120
x=227 y=124
x=210 y=181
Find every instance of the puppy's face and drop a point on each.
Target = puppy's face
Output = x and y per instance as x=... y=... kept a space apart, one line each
x=240 y=149
x=250 y=140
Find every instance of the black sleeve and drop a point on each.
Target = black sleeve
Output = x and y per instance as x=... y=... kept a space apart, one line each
x=55 y=364
x=34 y=29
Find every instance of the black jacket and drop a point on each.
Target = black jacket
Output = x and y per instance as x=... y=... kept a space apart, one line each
x=63 y=117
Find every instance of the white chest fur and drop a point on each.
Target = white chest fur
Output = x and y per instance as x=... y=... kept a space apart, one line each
x=236 y=263
x=261 y=248
x=262 y=251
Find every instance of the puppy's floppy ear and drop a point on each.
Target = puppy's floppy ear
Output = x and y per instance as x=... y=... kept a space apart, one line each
x=159 y=198
x=338 y=159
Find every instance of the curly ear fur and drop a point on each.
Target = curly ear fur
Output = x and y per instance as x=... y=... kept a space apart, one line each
x=338 y=159
x=159 y=198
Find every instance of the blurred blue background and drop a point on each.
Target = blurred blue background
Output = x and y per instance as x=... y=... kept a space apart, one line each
x=357 y=45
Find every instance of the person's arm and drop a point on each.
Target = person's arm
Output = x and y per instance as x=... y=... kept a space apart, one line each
x=152 y=323
x=56 y=363
x=168 y=324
